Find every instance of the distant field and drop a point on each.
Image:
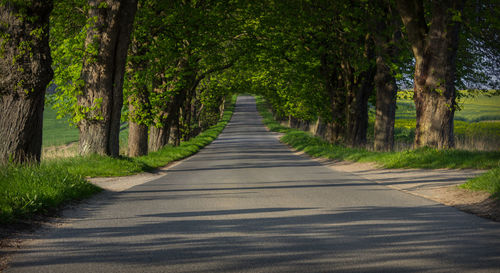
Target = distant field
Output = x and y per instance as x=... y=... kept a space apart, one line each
x=477 y=123
x=471 y=109
x=479 y=108
x=57 y=132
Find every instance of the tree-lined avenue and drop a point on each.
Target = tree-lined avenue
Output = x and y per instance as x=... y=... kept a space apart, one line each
x=246 y=203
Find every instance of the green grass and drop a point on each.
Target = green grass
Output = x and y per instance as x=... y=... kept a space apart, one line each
x=418 y=158
x=35 y=189
x=489 y=182
x=57 y=131
x=477 y=115
x=477 y=123
x=405 y=129
x=471 y=109
x=29 y=190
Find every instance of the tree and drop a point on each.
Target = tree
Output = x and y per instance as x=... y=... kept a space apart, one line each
x=434 y=44
x=387 y=39
x=101 y=100
x=138 y=100
x=25 y=71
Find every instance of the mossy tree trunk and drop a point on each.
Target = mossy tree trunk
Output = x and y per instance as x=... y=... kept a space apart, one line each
x=138 y=130
x=159 y=132
x=101 y=100
x=25 y=71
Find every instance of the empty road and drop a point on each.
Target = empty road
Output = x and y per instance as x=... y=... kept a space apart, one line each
x=246 y=203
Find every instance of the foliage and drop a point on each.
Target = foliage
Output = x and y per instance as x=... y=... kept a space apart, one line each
x=57 y=131
x=68 y=30
x=419 y=158
x=34 y=189
x=96 y=165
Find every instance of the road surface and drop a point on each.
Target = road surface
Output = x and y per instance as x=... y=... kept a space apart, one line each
x=246 y=203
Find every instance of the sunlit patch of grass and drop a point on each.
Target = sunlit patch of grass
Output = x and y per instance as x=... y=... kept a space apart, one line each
x=36 y=189
x=489 y=182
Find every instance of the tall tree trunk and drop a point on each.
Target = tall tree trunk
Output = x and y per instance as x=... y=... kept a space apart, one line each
x=25 y=71
x=159 y=132
x=332 y=79
x=139 y=104
x=158 y=137
x=434 y=48
x=387 y=35
x=101 y=100
x=359 y=88
x=186 y=115
x=174 y=116
x=138 y=130
x=385 y=112
x=137 y=139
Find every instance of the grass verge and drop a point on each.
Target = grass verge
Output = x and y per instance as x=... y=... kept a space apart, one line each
x=419 y=158
x=30 y=190
x=489 y=181
x=37 y=189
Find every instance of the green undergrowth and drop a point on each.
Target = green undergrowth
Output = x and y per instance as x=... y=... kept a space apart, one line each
x=427 y=158
x=419 y=158
x=37 y=189
x=30 y=190
x=490 y=182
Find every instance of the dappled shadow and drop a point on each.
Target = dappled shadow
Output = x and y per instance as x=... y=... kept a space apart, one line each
x=362 y=239
x=246 y=203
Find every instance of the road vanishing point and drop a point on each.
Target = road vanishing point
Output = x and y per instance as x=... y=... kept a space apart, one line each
x=246 y=203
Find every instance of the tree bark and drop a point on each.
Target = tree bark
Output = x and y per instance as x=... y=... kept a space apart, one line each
x=386 y=37
x=158 y=137
x=186 y=114
x=335 y=126
x=385 y=112
x=359 y=88
x=137 y=139
x=159 y=132
x=103 y=69
x=138 y=130
x=434 y=48
x=25 y=71
x=139 y=104
x=174 y=116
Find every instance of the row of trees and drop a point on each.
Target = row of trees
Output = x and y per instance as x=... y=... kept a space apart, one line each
x=162 y=59
x=166 y=66
x=330 y=59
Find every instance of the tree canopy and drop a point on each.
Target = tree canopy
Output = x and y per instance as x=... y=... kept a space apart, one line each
x=314 y=61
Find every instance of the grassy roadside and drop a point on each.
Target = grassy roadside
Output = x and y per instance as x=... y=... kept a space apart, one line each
x=420 y=158
x=29 y=190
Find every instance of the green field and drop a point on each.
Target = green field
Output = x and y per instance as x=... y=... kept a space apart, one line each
x=480 y=108
x=477 y=123
x=58 y=132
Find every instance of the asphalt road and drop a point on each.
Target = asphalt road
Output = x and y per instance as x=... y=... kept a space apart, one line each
x=247 y=204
